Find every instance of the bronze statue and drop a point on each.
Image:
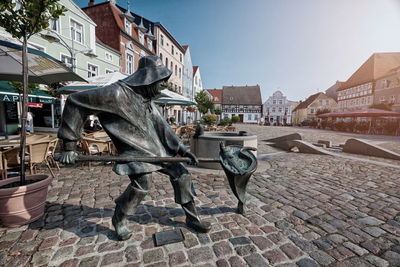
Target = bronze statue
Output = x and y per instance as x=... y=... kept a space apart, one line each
x=131 y=119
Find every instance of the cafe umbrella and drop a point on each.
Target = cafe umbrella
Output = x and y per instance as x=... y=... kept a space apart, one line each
x=42 y=69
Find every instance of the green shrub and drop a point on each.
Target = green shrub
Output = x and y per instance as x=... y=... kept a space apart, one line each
x=210 y=119
x=235 y=119
x=225 y=122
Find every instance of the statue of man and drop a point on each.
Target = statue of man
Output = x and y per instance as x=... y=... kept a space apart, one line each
x=131 y=119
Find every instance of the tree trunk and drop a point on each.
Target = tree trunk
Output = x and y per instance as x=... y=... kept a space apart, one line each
x=24 y=108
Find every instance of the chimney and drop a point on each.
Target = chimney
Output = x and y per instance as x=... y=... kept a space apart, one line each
x=112 y=1
x=91 y=3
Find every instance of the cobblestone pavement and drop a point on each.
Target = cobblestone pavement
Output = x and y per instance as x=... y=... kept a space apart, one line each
x=304 y=210
x=313 y=135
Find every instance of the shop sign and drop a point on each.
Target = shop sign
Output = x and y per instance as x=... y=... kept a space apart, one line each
x=35 y=105
x=31 y=98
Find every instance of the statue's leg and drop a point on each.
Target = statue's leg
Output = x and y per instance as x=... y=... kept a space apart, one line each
x=130 y=199
x=181 y=181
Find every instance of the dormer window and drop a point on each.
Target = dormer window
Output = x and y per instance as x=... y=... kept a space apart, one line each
x=149 y=44
x=128 y=26
x=141 y=37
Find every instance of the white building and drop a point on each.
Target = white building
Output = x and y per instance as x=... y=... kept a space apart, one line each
x=278 y=109
x=197 y=87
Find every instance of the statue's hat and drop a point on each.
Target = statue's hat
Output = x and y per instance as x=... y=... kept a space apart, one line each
x=150 y=70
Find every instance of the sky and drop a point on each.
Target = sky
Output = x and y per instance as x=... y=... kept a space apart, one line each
x=300 y=47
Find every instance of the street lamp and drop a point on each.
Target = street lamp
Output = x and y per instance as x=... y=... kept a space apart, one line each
x=53 y=36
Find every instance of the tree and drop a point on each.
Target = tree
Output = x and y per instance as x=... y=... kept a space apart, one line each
x=19 y=87
x=22 y=19
x=217 y=111
x=203 y=102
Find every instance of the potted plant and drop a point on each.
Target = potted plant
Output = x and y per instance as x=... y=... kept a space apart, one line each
x=22 y=199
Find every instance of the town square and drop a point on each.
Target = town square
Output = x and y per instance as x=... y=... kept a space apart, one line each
x=116 y=151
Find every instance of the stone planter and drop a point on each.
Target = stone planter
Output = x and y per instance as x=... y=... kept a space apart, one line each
x=23 y=204
x=207 y=145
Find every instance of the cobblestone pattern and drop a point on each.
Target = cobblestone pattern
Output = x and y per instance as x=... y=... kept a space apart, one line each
x=77 y=231
x=347 y=212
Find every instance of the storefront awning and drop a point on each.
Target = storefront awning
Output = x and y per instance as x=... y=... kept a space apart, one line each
x=8 y=94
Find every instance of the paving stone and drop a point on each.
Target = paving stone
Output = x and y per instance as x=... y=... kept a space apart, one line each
x=355 y=248
x=352 y=262
x=132 y=254
x=237 y=262
x=222 y=249
x=84 y=250
x=374 y=231
x=110 y=246
x=63 y=253
x=240 y=241
x=70 y=263
x=261 y=242
x=90 y=261
x=392 y=257
x=303 y=244
x=322 y=257
x=306 y=262
x=255 y=260
x=177 y=258
x=42 y=257
x=323 y=243
x=376 y=261
x=370 y=221
x=112 y=258
x=245 y=250
x=221 y=235
x=275 y=256
x=291 y=250
x=197 y=255
x=222 y=263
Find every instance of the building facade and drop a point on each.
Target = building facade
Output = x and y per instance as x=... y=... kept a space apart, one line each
x=128 y=33
x=358 y=92
x=216 y=96
x=308 y=109
x=242 y=101
x=387 y=90
x=277 y=110
x=197 y=87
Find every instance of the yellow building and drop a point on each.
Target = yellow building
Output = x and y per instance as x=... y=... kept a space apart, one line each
x=308 y=109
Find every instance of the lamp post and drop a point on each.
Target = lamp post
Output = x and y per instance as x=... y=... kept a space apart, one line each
x=53 y=36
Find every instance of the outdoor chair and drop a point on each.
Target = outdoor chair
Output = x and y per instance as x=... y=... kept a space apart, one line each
x=51 y=152
x=95 y=147
x=38 y=155
x=11 y=160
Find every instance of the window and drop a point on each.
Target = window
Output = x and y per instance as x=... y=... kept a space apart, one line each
x=255 y=117
x=327 y=102
x=392 y=99
x=172 y=50
x=149 y=44
x=109 y=57
x=249 y=117
x=172 y=66
x=66 y=60
x=76 y=31
x=280 y=102
x=176 y=70
x=382 y=99
x=273 y=109
x=280 y=110
x=162 y=40
x=286 y=110
x=129 y=63
x=166 y=62
x=180 y=58
x=128 y=26
x=312 y=110
x=161 y=56
x=274 y=102
x=180 y=73
x=109 y=71
x=141 y=37
x=55 y=25
x=92 y=70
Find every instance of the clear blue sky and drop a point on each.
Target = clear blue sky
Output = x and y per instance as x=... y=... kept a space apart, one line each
x=298 y=46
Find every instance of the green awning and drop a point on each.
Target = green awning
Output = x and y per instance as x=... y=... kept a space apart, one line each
x=8 y=94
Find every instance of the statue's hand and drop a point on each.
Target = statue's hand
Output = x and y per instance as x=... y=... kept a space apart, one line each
x=193 y=158
x=68 y=157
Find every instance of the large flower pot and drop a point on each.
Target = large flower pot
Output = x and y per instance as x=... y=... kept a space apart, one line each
x=23 y=204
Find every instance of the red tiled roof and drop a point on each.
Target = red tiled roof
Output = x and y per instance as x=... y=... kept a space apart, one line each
x=375 y=67
x=216 y=94
x=308 y=101
x=195 y=68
